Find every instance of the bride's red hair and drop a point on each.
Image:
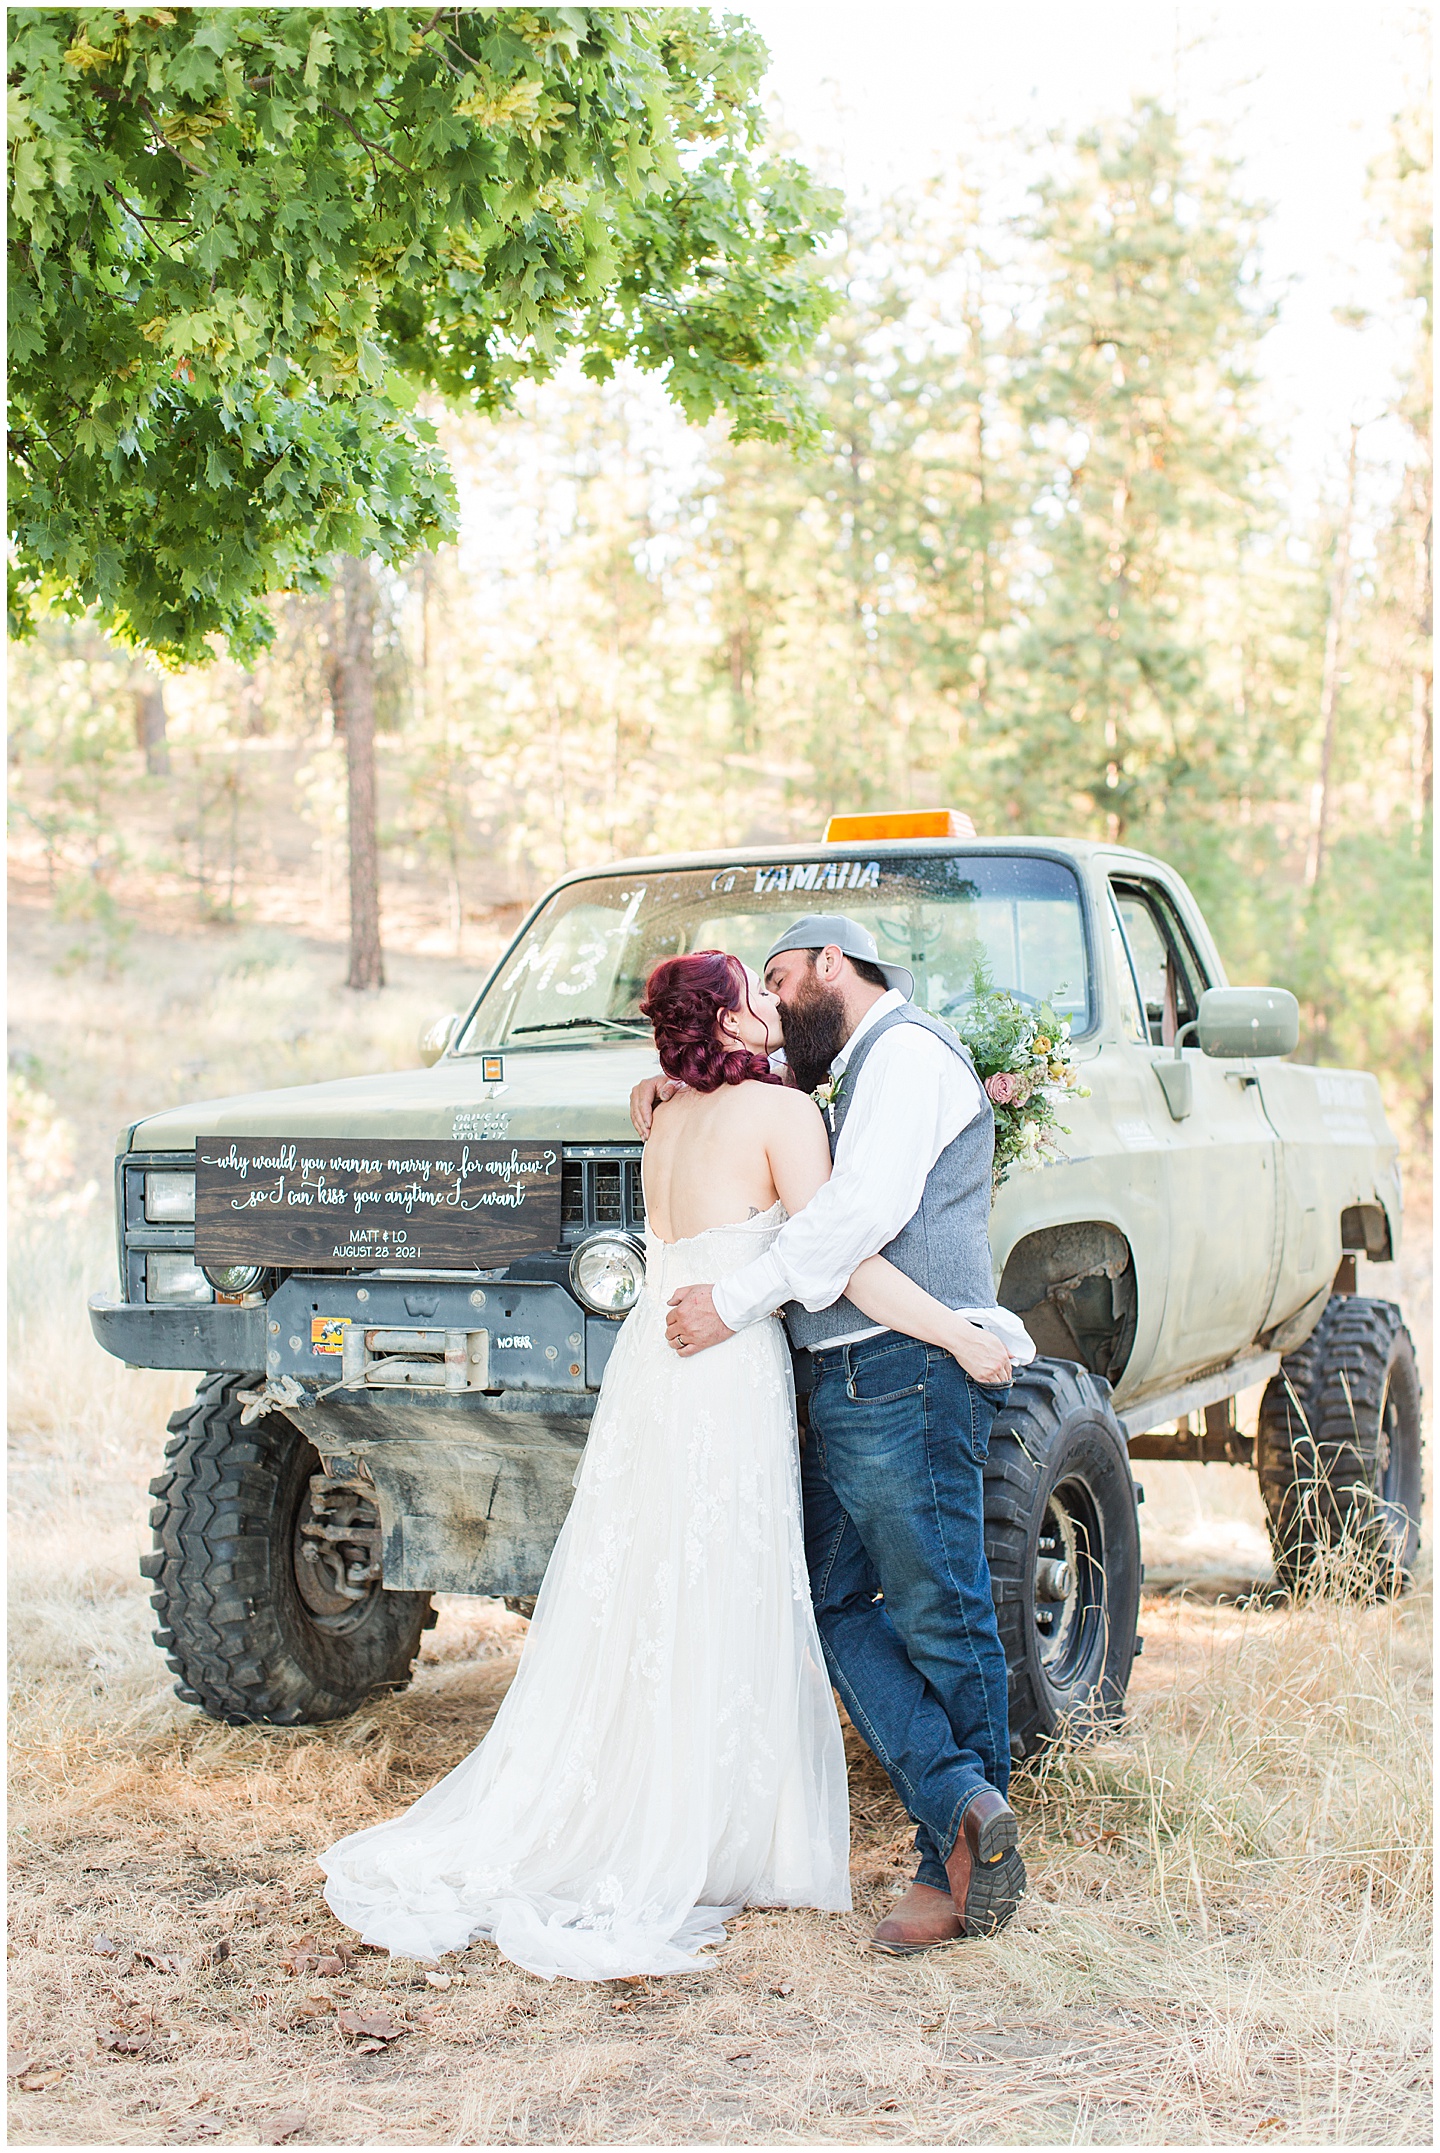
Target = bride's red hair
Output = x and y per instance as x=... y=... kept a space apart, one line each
x=684 y=998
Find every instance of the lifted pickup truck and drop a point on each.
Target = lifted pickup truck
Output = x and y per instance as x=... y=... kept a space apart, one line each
x=403 y=1288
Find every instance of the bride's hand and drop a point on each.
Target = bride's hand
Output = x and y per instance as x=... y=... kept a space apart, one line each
x=980 y=1353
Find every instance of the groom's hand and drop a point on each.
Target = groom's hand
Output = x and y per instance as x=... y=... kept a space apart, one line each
x=692 y=1323
x=649 y=1093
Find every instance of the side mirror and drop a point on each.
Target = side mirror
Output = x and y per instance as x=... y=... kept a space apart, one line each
x=436 y=1036
x=1235 y=1022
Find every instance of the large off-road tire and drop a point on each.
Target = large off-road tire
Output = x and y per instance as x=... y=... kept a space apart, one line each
x=255 y=1627
x=1063 y=1543
x=1338 y=1452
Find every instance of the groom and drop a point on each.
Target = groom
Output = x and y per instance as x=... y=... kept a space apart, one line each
x=892 y=1468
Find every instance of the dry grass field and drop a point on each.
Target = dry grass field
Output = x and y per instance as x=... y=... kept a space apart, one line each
x=1227 y=1937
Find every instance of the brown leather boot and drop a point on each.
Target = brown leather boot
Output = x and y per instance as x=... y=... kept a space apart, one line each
x=987 y=1876
x=923 y=1921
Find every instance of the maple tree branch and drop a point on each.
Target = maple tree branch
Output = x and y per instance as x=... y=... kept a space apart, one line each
x=369 y=148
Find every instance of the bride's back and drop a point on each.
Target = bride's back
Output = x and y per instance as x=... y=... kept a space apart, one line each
x=706 y=1162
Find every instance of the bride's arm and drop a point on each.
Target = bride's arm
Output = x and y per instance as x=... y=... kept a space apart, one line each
x=796 y=1146
x=889 y=1297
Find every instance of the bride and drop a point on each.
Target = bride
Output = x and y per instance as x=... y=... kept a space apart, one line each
x=669 y=1750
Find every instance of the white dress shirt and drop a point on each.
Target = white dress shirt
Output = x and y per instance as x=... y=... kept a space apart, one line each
x=912 y=1098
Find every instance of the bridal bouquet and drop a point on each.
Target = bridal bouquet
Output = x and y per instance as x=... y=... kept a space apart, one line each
x=1024 y=1059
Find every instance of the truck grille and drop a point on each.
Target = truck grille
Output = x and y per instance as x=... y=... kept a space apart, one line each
x=600 y=1186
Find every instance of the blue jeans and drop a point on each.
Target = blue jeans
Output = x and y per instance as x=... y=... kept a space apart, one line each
x=895 y=1541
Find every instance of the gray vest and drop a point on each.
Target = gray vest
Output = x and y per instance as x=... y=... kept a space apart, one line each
x=945 y=1247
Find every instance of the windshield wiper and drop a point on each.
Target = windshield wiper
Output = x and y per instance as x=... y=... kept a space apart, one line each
x=629 y=1025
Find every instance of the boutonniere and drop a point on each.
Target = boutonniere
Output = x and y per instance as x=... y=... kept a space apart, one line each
x=825 y=1096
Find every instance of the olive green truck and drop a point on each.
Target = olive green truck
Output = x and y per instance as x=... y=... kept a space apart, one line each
x=402 y=1289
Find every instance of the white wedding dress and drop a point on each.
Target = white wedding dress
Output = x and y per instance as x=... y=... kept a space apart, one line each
x=669 y=1750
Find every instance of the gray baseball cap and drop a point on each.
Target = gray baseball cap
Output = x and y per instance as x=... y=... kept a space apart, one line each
x=825 y=930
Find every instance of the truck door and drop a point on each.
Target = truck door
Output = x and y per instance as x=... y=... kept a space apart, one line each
x=1220 y=1162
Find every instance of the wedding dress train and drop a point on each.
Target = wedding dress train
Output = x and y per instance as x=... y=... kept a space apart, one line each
x=669 y=1750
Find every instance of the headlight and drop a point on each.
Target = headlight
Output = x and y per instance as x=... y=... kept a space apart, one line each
x=170 y=1199
x=607 y=1273
x=172 y=1275
x=233 y=1277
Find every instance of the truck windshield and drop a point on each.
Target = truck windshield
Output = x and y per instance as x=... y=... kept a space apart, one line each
x=581 y=967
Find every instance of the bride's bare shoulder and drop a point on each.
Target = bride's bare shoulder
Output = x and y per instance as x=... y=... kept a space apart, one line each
x=781 y=1106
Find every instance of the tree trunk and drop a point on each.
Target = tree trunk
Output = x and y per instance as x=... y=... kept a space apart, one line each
x=1422 y=683
x=150 y=724
x=354 y=685
x=1330 y=673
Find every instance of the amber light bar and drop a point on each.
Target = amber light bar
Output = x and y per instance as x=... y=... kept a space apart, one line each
x=919 y=822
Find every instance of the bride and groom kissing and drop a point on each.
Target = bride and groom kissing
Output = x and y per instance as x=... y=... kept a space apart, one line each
x=669 y=1750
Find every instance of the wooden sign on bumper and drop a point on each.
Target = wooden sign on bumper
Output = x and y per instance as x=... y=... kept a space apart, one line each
x=303 y=1204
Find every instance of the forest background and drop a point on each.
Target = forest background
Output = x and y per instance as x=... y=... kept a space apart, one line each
x=1044 y=566
x=1055 y=561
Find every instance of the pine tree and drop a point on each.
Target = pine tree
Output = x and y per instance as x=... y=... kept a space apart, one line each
x=1140 y=395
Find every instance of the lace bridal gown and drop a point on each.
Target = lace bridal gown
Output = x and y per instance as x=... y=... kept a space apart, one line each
x=669 y=1750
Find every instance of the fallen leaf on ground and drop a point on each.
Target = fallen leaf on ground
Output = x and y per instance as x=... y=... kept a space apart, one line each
x=309 y=1956
x=782 y=1988
x=274 y=2130
x=16 y=2061
x=124 y=2040
x=371 y=2025
x=103 y=1948
x=439 y=1981
x=314 y=2006
x=214 y=1954
x=38 y=2081
x=164 y=1962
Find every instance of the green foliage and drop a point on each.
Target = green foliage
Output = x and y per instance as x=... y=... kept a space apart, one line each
x=244 y=239
x=1139 y=397
x=72 y=735
x=651 y=638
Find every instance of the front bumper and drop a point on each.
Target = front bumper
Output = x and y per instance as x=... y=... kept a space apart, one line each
x=209 y=1339
x=541 y=1340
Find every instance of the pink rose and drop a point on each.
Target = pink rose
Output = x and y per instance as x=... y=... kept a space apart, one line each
x=1003 y=1087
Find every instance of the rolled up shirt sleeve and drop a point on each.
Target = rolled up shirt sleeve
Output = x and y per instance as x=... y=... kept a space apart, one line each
x=912 y=1098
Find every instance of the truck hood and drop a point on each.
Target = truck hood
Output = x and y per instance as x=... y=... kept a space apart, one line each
x=580 y=1094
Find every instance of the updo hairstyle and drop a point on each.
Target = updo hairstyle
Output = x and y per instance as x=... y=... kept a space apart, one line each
x=684 y=1000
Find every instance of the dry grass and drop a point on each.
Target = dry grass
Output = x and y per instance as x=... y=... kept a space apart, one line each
x=1228 y=1928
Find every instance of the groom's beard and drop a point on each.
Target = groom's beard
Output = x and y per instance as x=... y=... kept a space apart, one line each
x=814 y=1030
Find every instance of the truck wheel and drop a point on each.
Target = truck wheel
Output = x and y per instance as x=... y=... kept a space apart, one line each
x=1063 y=1543
x=267 y=1588
x=1337 y=1449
